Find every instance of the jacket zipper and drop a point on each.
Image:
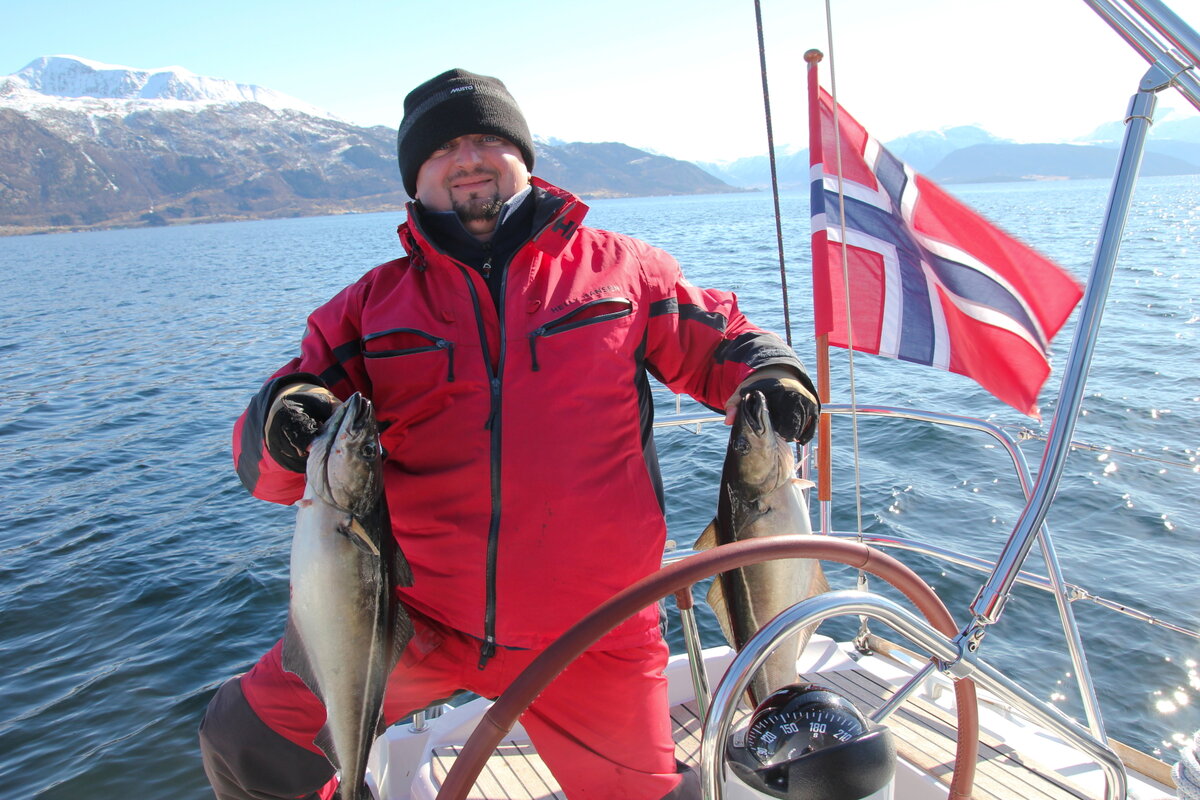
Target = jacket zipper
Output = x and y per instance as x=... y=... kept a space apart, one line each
x=488 y=648
x=564 y=323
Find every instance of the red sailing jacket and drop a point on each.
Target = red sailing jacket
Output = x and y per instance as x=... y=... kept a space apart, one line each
x=520 y=473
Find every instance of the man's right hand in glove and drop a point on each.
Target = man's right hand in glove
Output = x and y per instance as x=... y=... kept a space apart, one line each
x=295 y=418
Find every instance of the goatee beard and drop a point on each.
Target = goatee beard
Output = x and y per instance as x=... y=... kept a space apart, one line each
x=479 y=209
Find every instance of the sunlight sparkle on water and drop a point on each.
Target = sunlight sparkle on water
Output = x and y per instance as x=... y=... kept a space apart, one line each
x=1179 y=697
x=1165 y=705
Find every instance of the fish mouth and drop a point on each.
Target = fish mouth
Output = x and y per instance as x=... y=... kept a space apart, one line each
x=355 y=411
x=754 y=411
x=350 y=421
x=351 y=416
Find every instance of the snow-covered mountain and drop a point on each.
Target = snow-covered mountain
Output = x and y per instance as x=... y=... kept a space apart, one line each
x=924 y=149
x=921 y=150
x=969 y=154
x=84 y=144
x=71 y=82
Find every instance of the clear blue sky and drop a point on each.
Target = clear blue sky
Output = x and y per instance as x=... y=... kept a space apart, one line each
x=677 y=76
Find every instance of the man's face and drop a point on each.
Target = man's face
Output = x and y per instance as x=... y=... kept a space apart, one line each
x=473 y=176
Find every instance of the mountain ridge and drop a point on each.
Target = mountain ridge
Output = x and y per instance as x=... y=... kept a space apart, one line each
x=156 y=147
x=72 y=81
x=84 y=144
x=946 y=156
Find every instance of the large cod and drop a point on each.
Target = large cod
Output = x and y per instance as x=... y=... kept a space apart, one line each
x=761 y=496
x=346 y=628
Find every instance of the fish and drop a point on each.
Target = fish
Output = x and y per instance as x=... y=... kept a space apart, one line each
x=761 y=496
x=346 y=628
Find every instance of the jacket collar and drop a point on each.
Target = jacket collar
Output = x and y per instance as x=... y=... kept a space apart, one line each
x=551 y=231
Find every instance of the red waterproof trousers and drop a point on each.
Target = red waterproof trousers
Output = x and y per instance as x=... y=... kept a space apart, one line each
x=602 y=726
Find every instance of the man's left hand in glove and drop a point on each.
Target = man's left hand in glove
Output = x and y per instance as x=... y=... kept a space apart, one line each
x=793 y=407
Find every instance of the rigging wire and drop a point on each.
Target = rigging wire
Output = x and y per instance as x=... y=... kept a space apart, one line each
x=1025 y=433
x=863 y=638
x=837 y=140
x=762 y=62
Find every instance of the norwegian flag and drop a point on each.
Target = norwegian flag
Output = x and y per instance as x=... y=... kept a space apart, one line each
x=930 y=281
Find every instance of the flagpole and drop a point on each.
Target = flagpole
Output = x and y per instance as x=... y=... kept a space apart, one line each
x=820 y=261
x=822 y=317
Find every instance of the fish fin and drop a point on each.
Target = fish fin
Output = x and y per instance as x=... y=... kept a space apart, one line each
x=401 y=572
x=401 y=632
x=295 y=658
x=820 y=585
x=324 y=740
x=803 y=483
x=720 y=607
x=716 y=593
x=357 y=534
x=400 y=626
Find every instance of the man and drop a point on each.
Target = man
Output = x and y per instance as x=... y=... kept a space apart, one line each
x=507 y=358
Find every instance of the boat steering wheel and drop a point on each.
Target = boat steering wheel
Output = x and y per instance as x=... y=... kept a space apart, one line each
x=500 y=718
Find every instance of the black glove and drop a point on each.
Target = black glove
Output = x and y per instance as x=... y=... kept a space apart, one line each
x=295 y=418
x=793 y=409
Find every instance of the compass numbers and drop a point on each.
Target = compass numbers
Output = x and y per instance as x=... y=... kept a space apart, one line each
x=789 y=733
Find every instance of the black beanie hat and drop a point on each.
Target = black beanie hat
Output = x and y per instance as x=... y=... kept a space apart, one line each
x=456 y=103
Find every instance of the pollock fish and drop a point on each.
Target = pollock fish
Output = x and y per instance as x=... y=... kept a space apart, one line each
x=345 y=628
x=760 y=495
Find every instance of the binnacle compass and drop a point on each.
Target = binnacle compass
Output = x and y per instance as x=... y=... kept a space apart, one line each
x=790 y=724
x=806 y=741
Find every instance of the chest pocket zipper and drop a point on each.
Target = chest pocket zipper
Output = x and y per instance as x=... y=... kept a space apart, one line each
x=409 y=341
x=596 y=311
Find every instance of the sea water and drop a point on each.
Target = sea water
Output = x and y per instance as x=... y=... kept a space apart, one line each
x=136 y=574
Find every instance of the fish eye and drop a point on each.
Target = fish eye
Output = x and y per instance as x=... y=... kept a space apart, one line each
x=369 y=450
